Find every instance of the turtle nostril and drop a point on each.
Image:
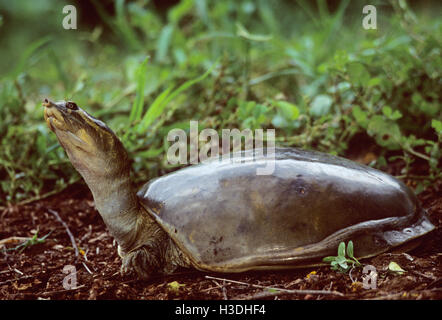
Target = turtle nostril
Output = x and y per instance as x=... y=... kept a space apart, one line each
x=47 y=103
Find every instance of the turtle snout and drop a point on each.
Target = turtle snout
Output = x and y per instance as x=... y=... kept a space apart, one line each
x=53 y=116
x=48 y=103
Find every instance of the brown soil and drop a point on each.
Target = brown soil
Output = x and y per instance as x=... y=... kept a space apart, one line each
x=37 y=271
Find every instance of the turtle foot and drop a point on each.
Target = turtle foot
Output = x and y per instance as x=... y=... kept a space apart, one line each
x=140 y=262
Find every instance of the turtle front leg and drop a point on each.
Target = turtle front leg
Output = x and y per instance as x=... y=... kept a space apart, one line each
x=158 y=254
x=147 y=256
x=142 y=262
x=145 y=261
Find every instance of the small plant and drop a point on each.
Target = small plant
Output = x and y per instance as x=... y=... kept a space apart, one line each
x=30 y=242
x=341 y=262
x=175 y=286
x=395 y=268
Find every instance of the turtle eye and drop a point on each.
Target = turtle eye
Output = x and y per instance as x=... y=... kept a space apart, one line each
x=71 y=105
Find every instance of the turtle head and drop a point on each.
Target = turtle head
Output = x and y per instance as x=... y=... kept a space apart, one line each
x=94 y=150
x=99 y=156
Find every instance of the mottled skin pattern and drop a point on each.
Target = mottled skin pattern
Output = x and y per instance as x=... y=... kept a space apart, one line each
x=223 y=217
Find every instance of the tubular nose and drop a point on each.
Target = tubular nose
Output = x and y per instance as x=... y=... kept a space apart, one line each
x=48 y=103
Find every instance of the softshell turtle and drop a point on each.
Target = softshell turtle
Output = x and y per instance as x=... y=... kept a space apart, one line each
x=221 y=216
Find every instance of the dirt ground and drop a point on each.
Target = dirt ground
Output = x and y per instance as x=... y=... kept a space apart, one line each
x=36 y=272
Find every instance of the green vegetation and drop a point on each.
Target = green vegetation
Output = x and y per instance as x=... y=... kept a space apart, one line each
x=343 y=262
x=30 y=242
x=395 y=268
x=305 y=68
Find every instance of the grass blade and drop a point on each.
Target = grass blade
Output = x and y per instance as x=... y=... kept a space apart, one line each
x=164 y=43
x=189 y=83
x=137 y=106
x=28 y=52
x=154 y=110
x=164 y=99
x=124 y=27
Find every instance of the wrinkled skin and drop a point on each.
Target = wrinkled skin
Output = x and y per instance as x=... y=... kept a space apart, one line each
x=221 y=216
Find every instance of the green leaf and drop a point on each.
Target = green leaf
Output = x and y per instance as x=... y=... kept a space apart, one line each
x=288 y=110
x=374 y=82
x=360 y=116
x=350 y=249
x=388 y=112
x=358 y=74
x=175 y=286
x=437 y=125
x=341 y=249
x=381 y=162
x=321 y=105
x=394 y=267
x=386 y=132
x=245 y=109
x=279 y=121
x=342 y=262
x=329 y=259
x=396 y=115
x=419 y=188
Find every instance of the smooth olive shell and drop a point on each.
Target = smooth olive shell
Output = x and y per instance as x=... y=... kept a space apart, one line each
x=227 y=218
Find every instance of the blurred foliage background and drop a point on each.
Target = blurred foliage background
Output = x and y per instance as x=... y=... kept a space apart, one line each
x=306 y=68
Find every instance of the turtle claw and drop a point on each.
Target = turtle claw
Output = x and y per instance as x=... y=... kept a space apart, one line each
x=140 y=262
